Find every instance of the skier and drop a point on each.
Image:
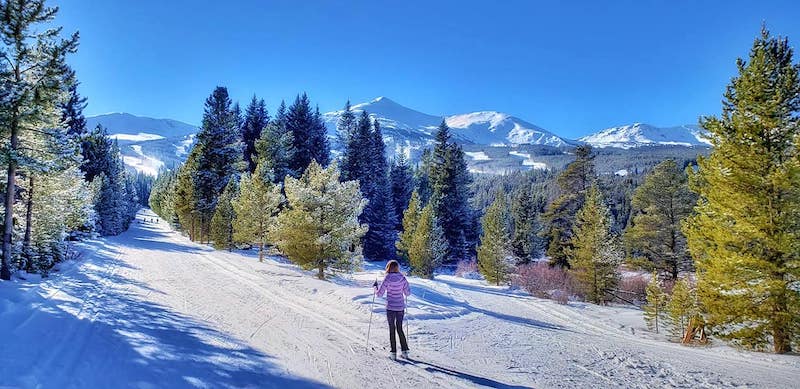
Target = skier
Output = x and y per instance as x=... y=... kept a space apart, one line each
x=396 y=287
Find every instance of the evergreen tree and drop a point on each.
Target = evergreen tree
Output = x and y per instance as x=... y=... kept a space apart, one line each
x=402 y=181
x=656 y=304
x=219 y=154
x=34 y=77
x=309 y=134
x=185 y=195
x=96 y=150
x=559 y=217
x=255 y=120
x=744 y=233
x=222 y=221
x=428 y=245
x=379 y=241
x=450 y=180
x=422 y=176
x=680 y=308
x=320 y=229
x=526 y=243
x=275 y=149
x=114 y=201
x=495 y=259
x=256 y=210
x=593 y=254
x=410 y=223
x=72 y=109
x=162 y=197
x=661 y=203
x=345 y=132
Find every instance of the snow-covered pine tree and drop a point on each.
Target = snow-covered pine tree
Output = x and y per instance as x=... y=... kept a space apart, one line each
x=309 y=134
x=275 y=149
x=222 y=221
x=410 y=223
x=219 y=154
x=450 y=180
x=33 y=79
x=162 y=196
x=72 y=118
x=320 y=229
x=745 y=231
x=256 y=119
x=428 y=245
x=559 y=217
x=594 y=256
x=256 y=209
x=680 y=309
x=379 y=241
x=113 y=202
x=654 y=308
x=401 y=178
x=495 y=258
x=660 y=204
x=345 y=132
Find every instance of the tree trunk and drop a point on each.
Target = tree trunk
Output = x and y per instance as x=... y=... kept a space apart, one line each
x=321 y=270
x=261 y=251
x=11 y=182
x=26 y=242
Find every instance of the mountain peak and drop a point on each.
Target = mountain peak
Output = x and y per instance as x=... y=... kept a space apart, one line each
x=642 y=134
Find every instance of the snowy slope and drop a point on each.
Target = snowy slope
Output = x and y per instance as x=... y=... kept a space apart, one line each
x=640 y=134
x=497 y=128
x=147 y=145
x=152 y=309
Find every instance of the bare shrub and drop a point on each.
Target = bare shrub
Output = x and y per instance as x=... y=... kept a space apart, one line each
x=467 y=269
x=544 y=281
x=632 y=289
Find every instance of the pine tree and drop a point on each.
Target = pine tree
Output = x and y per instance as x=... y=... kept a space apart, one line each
x=185 y=195
x=660 y=205
x=402 y=181
x=219 y=154
x=256 y=210
x=275 y=149
x=320 y=229
x=495 y=259
x=559 y=217
x=309 y=134
x=222 y=221
x=33 y=79
x=593 y=252
x=744 y=233
x=526 y=243
x=428 y=245
x=96 y=149
x=680 y=308
x=450 y=180
x=656 y=304
x=345 y=132
x=72 y=110
x=379 y=241
x=410 y=223
x=255 y=120
x=162 y=197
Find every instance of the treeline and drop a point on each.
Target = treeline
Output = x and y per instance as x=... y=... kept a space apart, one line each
x=60 y=180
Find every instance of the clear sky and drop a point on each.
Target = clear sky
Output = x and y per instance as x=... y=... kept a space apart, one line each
x=572 y=67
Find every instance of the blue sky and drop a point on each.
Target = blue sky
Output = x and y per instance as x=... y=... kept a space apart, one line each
x=572 y=67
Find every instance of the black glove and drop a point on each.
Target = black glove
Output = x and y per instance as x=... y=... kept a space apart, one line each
x=375 y=284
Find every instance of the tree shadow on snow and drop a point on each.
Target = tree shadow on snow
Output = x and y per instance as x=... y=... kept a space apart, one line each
x=96 y=332
x=477 y=380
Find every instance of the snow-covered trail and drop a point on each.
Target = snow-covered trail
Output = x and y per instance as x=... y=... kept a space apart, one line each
x=152 y=309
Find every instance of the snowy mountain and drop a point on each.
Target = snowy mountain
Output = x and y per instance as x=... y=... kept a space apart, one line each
x=147 y=144
x=500 y=129
x=640 y=134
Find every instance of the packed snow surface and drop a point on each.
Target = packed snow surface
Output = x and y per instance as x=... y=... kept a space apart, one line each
x=150 y=309
x=124 y=123
x=528 y=160
x=477 y=155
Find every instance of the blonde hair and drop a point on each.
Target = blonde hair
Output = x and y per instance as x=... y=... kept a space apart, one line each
x=392 y=267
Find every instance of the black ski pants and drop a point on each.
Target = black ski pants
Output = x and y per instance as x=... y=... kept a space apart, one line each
x=395 y=319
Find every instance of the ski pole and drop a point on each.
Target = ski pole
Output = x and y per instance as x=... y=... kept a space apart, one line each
x=371 y=311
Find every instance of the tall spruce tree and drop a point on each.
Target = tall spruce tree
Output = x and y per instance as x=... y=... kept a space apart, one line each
x=744 y=233
x=320 y=228
x=309 y=134
x=427 y=249
x=410 y=223
x=593 y=253
x=72 y=110
x=450 y=180
x=275 y=150
x=256 y=119
x=345 y=131
x=526 y=208
x=222 y=221
x=401 y=178
x=33 y=81
x=256 y=209
x=660 y=205
x=219 y=154
x=559 y=217
x=495 y=257
x=379 y=241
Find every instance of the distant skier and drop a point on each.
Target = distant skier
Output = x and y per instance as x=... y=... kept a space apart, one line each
x=396 y=287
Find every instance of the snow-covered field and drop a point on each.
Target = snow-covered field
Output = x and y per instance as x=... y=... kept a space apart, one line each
x=150 y=309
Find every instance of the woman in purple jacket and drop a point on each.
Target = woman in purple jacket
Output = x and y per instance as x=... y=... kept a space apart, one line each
x=395 y=286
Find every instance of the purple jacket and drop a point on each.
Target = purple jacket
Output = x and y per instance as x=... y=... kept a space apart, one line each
x=395 y=286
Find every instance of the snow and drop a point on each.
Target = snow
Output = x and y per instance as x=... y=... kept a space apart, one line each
x=621 y=172
x=125 y=123
x=497 y=128
x=140 y=137
x=149 y=309
x=528 y=160
x=640 y=134
x=477 y=155
x=143 y=163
